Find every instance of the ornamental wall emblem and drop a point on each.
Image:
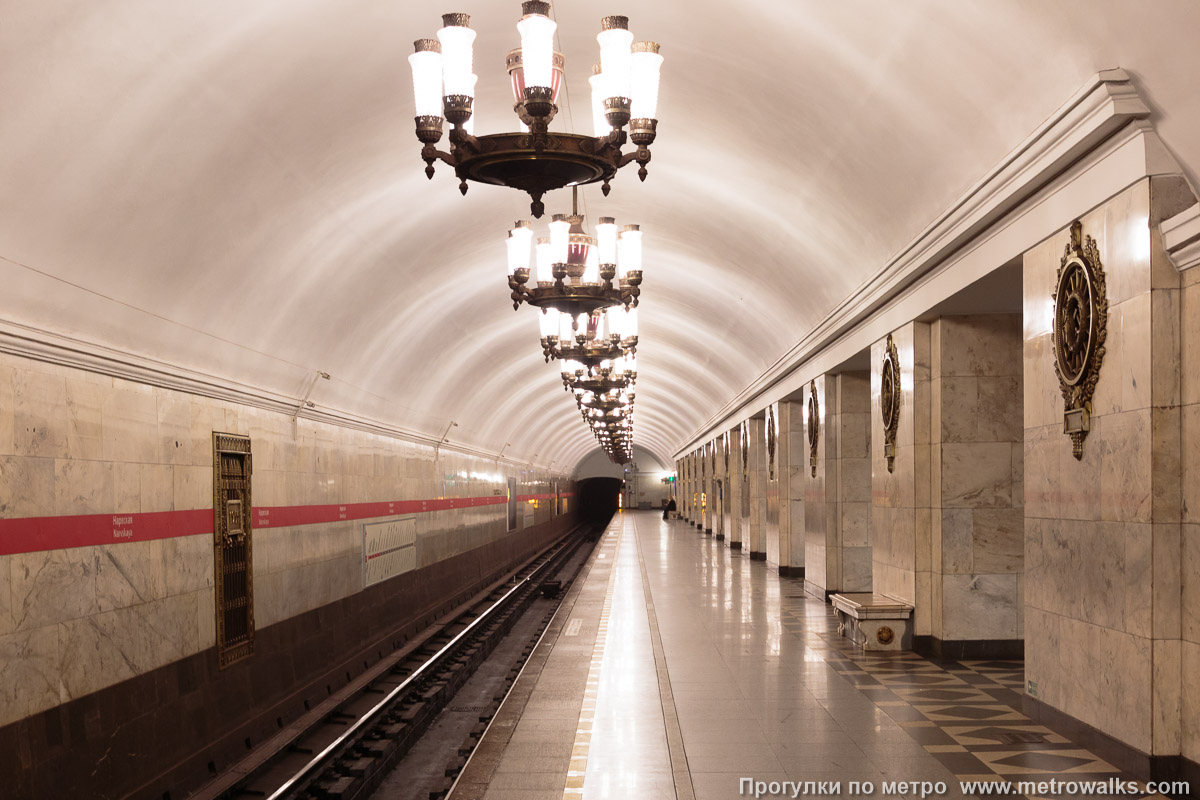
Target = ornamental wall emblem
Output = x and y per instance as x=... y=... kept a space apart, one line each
x=1080 y=328
x=771 y=442
x=745 y=450
x=814 y=425
x=889 y=401
x=725 y=449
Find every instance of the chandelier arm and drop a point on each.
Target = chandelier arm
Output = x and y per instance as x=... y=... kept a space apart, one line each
x=431 y=154
x=613 y=139
x=631 y=156
x=459 y=138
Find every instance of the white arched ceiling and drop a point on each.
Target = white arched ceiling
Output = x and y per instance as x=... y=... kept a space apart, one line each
x=235 y=188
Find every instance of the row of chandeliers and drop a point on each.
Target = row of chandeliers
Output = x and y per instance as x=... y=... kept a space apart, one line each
x=586 y=286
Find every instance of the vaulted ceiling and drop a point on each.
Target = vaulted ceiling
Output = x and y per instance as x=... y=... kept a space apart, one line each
x=235 y=188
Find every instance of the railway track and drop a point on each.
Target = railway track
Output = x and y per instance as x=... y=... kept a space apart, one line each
x=347 y=751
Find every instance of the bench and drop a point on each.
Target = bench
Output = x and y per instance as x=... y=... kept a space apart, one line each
x=874 y=621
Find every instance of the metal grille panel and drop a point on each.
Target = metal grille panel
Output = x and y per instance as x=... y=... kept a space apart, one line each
x=232 y=547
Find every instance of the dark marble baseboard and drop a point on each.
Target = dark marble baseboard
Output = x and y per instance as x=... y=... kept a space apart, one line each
x=708 y=531
x=720 y=537
x=791 y=572
x=1141 y=765
x=970 y=649
x=167 y=731
x=758 y=556
x=735 y=545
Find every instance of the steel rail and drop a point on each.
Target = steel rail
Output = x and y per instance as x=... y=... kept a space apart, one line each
x=369 y=717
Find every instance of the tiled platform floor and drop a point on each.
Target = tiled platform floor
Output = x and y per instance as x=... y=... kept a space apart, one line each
x=684 y=667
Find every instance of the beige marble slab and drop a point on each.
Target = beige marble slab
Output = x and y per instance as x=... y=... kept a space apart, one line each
x=52 y=586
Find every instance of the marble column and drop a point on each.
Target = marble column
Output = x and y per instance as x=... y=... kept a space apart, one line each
x=687 y=488
x=792 y=470
x=1190 y=531
x=838 y=495
x=771 y=481
x=694 y=470
x=722 y=486
x=737 y=487
x=681 y=487
x=679 y=482
x=710 y=486
x=978 y=519
x=900 y=511
x=1103 y=540
x=756 y=438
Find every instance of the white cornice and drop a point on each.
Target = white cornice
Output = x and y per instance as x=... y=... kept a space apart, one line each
x=1181 y=238
x=27 y=342
x=1087 y=123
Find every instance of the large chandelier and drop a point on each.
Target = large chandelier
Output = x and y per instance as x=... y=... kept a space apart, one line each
x=533 y=160
x=575 y=271
x=604 y=393
x=611 y=419
x=620 y=373
x=586 y=322
x=589 y=339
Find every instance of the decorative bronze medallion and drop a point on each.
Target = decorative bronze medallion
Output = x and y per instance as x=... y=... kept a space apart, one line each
x=814 y=425
x=889 y=401
x=745 y=450
x=771 y=442
x=1080 y=328
x=885 y=635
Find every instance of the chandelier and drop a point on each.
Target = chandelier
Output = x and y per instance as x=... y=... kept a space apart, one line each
x=534 y=160
x=619 y=373
x=587 y=322
x=613 y=430
x=604 y=394
x=575 y=271
x=589 y=339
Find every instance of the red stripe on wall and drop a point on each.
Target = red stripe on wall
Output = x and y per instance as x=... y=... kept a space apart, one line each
x=36 y=534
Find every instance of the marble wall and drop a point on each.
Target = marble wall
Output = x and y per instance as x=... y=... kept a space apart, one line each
x=1190 y=531
x=1103 y=544
x=771 y=479
x=853 y=412
x=838 y=512
x=900 y=499
x=822 y=555
x=978 y=519
x=72 y=443
x=792 y=470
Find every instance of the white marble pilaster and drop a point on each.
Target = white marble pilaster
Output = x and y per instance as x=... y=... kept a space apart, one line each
x=756 y=440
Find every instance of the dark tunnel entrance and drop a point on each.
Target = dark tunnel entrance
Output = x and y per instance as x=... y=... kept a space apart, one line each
x=598 y=498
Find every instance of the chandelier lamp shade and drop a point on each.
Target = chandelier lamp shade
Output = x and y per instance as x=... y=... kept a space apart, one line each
x=534 y=159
